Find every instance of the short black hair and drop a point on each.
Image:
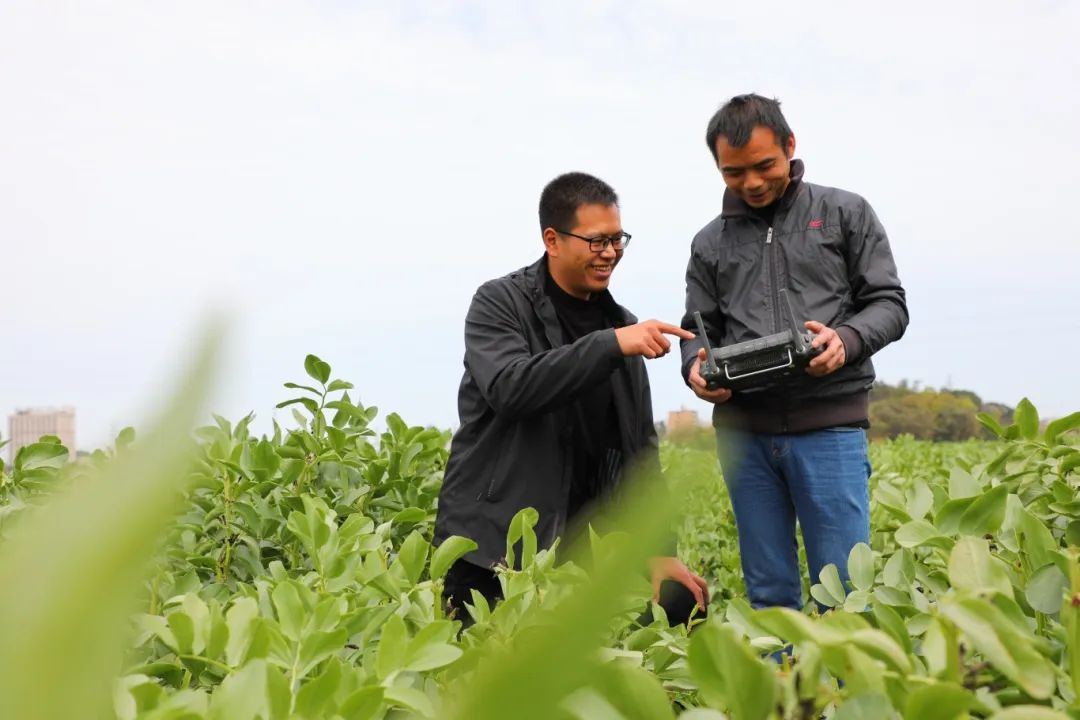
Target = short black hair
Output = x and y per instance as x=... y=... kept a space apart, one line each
x=565 y=194
x=738 y=117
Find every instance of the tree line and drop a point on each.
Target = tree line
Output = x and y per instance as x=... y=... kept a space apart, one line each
x=902 y=409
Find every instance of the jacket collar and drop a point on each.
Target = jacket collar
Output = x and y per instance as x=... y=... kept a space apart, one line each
x=532 y=279
x=735 y=207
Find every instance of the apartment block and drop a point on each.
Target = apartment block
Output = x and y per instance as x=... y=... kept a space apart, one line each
x=26 y=426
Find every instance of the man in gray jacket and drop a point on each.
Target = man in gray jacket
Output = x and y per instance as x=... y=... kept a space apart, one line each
x=554 y=403
x=796 y=450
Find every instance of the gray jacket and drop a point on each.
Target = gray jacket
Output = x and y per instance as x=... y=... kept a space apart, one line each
x=827 y=247
x=513 y=449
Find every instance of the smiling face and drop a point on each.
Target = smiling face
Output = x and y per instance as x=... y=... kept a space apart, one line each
x=574 y=267
x=759 y=171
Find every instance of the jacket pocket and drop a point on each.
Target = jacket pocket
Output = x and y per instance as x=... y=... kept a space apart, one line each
x=496 y=479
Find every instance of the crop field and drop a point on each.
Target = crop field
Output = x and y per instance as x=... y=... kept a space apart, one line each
x=292 y=576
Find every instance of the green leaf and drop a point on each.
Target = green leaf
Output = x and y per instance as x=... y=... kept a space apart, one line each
x=990 y=423
x=257 y=691
x=940 y=701
x=291 y=452
x=890 y=621
x=856 y=601
x=362 y=704
x=40 y=455
x=311 y=405
x=409 y=698
x=1036 y=540
x=294 y=386
x=316 y=696
x=786 y=624
x=861 y=566
x=1028 y=712
x=124 y=438
x=586 y=703
x=899 y=569
x=450 y=551
x=317 y=369
x=985 y=514
x=633 y=692
x=867 y=706
x=948 y=515
x=974 y=569
x=879 y=646
x=1046 y=588
x=996 y=467
x=521 y=529
x=1005 y=646
x=962 y=485
x=830 y=578
x=1055 y=428
x=240 y=621
x=347 y=409
x=183 y=629
x=431 y=656
x=196 y=609
x=825 y=598
x=390 y=656
x=413 y=556
x=729 y=674
x=339 y=385
x=318 y=646
x=1069 y=464
x=290 y=610
x=1026 y=419
x=410 y=516
x=78 y=561
x=916 y=533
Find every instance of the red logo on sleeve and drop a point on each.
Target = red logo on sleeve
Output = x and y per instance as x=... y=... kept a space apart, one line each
x=816 y=224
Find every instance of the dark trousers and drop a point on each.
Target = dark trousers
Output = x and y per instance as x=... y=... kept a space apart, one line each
x=464 y=577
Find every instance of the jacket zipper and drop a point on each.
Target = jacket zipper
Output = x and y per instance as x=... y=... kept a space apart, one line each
x=773 y=277
x=770 y=252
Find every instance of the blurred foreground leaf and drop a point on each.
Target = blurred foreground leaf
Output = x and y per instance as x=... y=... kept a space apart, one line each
x=70 y=571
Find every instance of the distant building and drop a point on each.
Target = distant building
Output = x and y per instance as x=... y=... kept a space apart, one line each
x=26 y=427
x=678 y=419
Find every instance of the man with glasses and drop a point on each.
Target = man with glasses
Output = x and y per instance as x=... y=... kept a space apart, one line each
x=795 y=451
x=554 y=403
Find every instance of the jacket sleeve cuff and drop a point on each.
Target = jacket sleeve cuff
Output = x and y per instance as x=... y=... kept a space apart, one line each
x=689 y=354
x=853 y=344
x=612 y=354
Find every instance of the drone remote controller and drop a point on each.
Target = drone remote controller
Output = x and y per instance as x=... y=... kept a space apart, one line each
x=755 y=364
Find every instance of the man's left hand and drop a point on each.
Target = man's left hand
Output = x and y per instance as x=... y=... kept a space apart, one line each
x=672 y=568
x=833 y=357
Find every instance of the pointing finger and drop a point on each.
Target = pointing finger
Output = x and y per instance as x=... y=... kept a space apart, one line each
x=670 y=329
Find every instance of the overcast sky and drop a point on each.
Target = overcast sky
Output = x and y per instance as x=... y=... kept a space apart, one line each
x=340 y=177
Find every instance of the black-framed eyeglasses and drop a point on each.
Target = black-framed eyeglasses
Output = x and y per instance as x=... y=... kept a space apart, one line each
x=600 y=243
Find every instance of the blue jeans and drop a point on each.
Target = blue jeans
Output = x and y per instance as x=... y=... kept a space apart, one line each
x=819 y=478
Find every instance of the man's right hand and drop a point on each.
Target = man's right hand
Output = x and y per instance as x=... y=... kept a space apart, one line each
x=647 y=338
x=700 y=387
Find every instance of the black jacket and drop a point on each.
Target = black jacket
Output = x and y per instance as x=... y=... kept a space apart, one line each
x=513 y=449
x=827 y=247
